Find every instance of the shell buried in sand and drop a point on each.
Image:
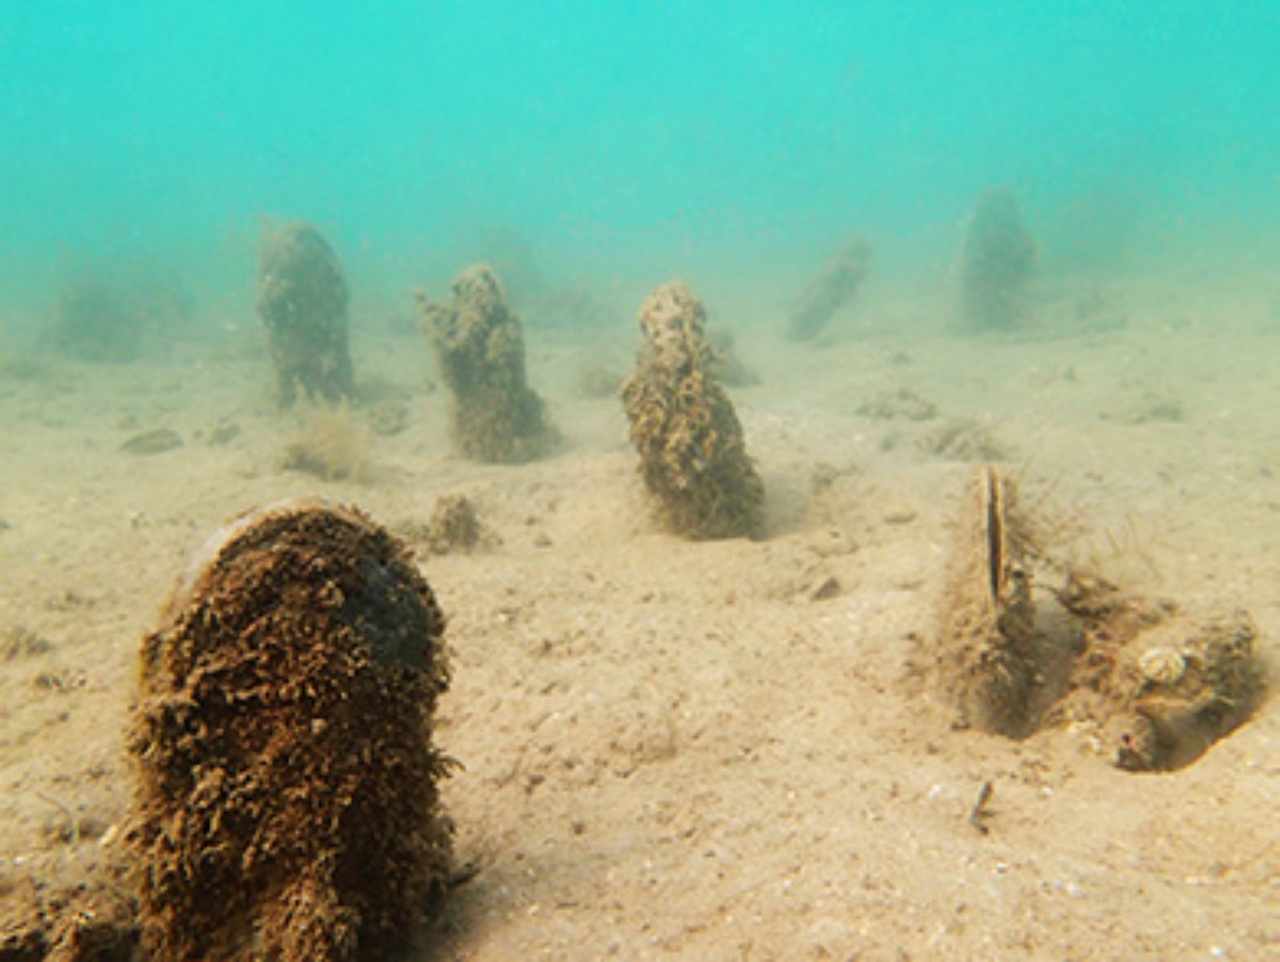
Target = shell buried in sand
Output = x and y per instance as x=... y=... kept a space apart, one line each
x=286 y=805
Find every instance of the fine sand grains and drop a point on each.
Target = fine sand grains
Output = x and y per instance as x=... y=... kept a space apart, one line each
x=721 y=748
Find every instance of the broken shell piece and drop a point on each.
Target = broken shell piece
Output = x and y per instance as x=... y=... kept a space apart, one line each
x=1162 y=666
x=989 y=646
x=1174 y=720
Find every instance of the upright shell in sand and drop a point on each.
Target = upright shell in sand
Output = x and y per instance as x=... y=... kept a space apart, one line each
x=302 y=299
x=693 y=458
x=987 y=624
x=478 y=342
x=833 y=286
x=286 y=804
x=997 y=265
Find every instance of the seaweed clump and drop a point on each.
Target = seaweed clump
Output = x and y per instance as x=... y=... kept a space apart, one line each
x=832 y=288
x=997 y=263
x=454 y=525
x=692 y=455
x=286 y=805
x=329 y=445
x=479 y=346
x=302 y=299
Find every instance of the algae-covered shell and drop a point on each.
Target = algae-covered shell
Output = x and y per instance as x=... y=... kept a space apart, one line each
x=286 y=801
x=1162 y=666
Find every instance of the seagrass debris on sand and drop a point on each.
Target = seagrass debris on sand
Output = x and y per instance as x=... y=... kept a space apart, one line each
x=302 y=299
x=833 y=287
x=997 y=263
x=479 y=347
x=692 y=455
x=286 y=803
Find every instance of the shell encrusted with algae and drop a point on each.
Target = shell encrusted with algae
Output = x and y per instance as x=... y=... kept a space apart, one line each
x=693 y=456
x=478 y=341
x=286 y=803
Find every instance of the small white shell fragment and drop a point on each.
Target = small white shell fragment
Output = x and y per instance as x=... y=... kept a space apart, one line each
x=1163 y=666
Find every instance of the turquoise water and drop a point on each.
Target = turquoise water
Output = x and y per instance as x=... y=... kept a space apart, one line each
x=632 y=140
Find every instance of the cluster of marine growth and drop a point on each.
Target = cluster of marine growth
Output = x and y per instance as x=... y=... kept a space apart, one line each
x=303 y=302
x=692 y=455
x=1160 y=686
x=997 y=266
x=287 y=786
x=479 y=347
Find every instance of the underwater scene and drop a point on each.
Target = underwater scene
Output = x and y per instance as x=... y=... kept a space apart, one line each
x=488 y=480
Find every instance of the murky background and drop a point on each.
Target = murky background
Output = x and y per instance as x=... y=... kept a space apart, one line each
x=609 y=146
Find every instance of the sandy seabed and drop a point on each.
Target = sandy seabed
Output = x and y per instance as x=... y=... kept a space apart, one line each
x=717 y=750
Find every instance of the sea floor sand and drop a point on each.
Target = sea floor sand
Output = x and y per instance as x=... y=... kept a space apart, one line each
x=716 y=750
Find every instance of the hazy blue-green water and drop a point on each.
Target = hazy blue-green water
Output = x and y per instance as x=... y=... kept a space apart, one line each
x=798 y=791
x=634 y=140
